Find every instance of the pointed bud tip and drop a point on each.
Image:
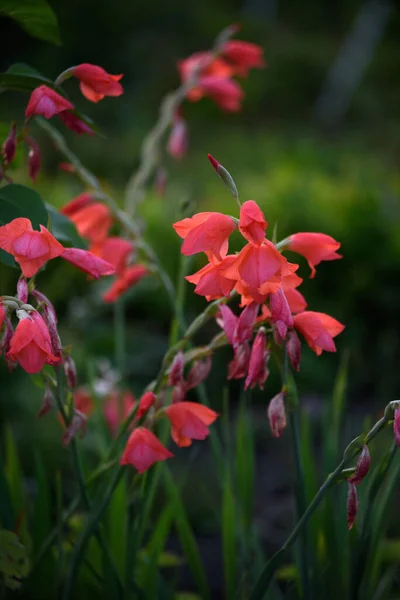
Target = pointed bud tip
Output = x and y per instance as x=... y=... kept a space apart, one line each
x=215 y=163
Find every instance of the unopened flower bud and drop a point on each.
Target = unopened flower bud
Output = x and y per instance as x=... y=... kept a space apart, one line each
x=34 y=158
x=239 y=366
x=293 y=349
x=10 y=145
x=22 y=289
x=70 y=371
x=67 y=167
x=78 y=423
x=146 y=402
x=362 y=467
x=177 y=144
x=50 y=318
x=48 y=402
x=280 y=312
x=5 y=343
x=258 y=370
x=199 y=372
x=277 y=414
x=245 y=324
x=175 y=374
x=179 y=392
x=396 y=426
x=352 y=505
x=224 y=175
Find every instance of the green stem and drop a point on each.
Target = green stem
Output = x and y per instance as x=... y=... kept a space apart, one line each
x=271 y=566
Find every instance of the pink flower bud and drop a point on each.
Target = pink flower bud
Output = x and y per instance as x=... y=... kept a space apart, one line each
x=227 y=320
x=396 y=426
x=362 y=467
x=219 y=169
x=280 y=312
x=277 y=415
x=78 y=423
x=50 y=318
x=5 y=343
x=70 y=371
x=22 y=290
x=244 y=327
x=177 y=144
x=146 y=402
x=239 y=366
x=47 y=404
x=293 y=349
x=10 y=145
x=199 y=372
x=179 y=392
x=352 y=505
x=258 y=371
x=67 y=167
x=34 y=158
x=175 y=375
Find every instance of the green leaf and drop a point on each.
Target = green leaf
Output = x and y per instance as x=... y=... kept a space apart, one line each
x=14 y=564
x=229 y=538
x=187 y=539
x=35 y=16
x=63 y=228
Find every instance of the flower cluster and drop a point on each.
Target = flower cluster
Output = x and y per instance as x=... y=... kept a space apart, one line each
x=93 y=221
x=267 y=285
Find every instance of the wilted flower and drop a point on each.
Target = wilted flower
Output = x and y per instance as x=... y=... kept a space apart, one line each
x=277 y=414
x=10 y=145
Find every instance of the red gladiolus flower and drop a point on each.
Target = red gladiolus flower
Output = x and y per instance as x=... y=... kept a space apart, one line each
x=31 y=249
x=277 y=414
x=258 y=370
x=362 y=467
x=396 y=426
x=205 y=64
x=112 y=413
x=83 y=401
x=315 y=247
x=31 y=344
x=115 y=250
x=46 y=102
x=318 y=330
x=189 y=421
x=243 y=56
x=143 y=449
x=352 y=505
x=95 y=82
x=252 y=224
x=91 y=219
x=226 y=93
x=87 y=262
x=205 y=232
x=74 y=123
x=177 y=144
x=211 y=281
x=296 y=300
x=127 y=279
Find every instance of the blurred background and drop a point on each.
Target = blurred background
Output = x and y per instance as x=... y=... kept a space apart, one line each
x=316 y=145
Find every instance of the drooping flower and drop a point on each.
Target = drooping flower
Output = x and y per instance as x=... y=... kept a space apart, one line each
x=46 y=102
x=88 y=263
x=189 y=421
x=30 y=248
x=143 y=449
x=91 y=219
x=352 y=505
x=70 y=371
x=280 y=312
x=315 y=247
x=277 y=414
x=318 y=330
x=177 y=143
x=362 y=467
x=258 y=370
x=73 y=122
x=252 y=223
x=31 y=344
x=9 y=147
x=239 y=366
x=127 y=279
x=205 y=232
x=22 y=290
x=198 y=373
x=243 y=56
x=95 y=82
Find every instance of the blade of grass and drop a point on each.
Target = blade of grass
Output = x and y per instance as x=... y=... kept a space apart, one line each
x=229 y=538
